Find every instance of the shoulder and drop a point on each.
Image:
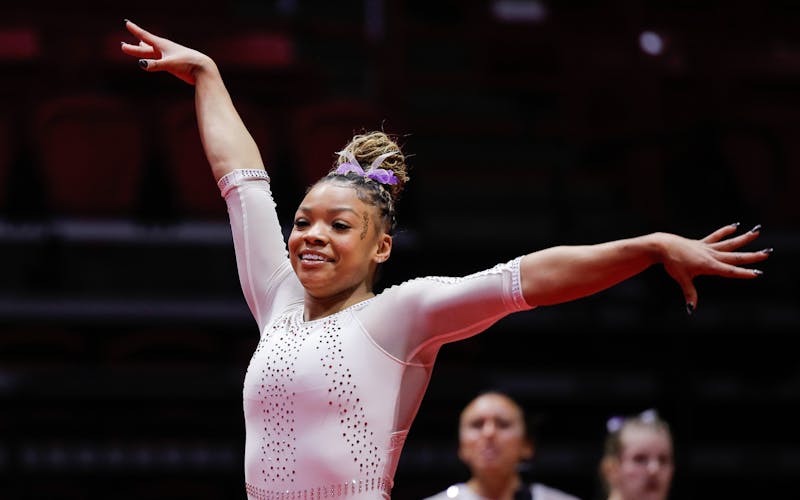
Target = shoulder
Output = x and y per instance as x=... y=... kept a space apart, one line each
x=458 y=490
x=544 y=492
x=411 y=289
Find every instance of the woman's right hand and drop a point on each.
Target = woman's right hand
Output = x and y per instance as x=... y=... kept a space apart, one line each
x=159 y=54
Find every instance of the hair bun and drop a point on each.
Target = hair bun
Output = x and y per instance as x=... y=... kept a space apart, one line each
x=369 y=146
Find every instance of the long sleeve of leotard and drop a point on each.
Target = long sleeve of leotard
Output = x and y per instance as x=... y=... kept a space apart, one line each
x=265 y=273
x=407 y=318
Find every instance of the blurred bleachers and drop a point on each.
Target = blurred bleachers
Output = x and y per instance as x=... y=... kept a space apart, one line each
x=123 y=334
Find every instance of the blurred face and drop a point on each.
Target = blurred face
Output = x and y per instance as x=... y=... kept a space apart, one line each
x=492 y=437
x=645 y=468
x=334 y=245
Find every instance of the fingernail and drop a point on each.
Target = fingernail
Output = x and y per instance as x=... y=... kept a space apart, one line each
x=126 y=21
x=735 y=224
x=767 y=250
x=758 y=272
x=143 y=63
x=689 y=308
x=756 y=229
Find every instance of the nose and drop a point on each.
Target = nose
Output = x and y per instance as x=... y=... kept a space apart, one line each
x=653 y=466
x=488 y=429
x=315 y=235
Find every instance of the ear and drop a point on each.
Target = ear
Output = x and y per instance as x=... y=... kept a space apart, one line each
x=609 y=468
x=461 y=456
x=527 y=451
x=384 y=249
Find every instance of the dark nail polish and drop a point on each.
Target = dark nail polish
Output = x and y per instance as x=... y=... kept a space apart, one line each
x=143 y=63
x=689 y=308
x=767 y=250
x=756 y=229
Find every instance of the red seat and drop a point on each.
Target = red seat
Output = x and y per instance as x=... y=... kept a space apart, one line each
x=252 y=49
x=196 y=195
x=319 y=130
x=19 y=44
x=90 y=149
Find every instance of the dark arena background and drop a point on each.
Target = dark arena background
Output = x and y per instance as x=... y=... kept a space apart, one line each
x=124 y=336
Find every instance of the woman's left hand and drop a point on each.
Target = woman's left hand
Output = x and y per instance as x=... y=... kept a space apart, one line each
x=715 y=254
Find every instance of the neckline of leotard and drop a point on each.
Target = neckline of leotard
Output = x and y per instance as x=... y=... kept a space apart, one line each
x=357 y=305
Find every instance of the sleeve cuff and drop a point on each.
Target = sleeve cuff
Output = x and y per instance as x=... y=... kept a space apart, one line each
x=516 y=286
x=235 y=178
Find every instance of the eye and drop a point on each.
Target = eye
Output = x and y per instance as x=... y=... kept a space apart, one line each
x=476 y=424
x=300 y=223
x=340 y=226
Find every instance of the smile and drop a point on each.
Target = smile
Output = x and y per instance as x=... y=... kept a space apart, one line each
x=313 y=257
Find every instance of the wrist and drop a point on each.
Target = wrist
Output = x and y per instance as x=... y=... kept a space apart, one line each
x=204 y=66
x=657 y=246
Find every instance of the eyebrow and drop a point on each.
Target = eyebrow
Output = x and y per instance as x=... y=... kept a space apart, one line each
x=332 y=210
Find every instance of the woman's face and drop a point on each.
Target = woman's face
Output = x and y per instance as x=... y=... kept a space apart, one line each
x=492 y=436
x=335 y=245
x=645 y=467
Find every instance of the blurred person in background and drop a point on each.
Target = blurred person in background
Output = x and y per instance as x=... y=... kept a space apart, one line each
x=495 y=444
x=638 y=460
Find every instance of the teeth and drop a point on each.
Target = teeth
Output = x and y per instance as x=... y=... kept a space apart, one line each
x=309 y=256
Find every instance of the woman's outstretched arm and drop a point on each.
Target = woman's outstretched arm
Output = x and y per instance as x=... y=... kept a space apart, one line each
x=228 y=144
x=565 y=273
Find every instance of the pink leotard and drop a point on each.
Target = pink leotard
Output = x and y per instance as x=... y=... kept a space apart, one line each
x=328 y=402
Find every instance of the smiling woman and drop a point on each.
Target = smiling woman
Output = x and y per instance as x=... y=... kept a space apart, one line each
x=339 y=372
x=343 y=229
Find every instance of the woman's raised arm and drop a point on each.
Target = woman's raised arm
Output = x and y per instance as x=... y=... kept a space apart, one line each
x=228 y=144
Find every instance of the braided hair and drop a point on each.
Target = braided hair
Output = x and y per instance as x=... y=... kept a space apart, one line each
x=365 y=148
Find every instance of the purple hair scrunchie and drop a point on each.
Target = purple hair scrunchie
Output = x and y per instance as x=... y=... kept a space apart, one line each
x=380 y=175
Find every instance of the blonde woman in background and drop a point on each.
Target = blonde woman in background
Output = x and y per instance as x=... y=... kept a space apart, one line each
x=638 y=460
